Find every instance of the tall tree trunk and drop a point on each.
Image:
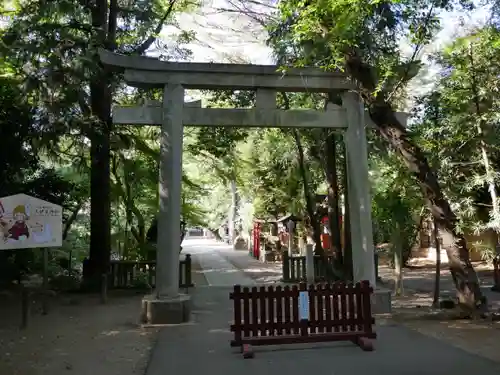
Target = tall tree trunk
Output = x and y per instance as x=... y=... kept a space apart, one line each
x=333 y=194
x=232 y=211
x=382 y=114
x=347 y=219
x=437 y=277
x=397 y=249
x=100 y=184
x=308 y=195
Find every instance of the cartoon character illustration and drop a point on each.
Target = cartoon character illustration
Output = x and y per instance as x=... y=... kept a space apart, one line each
x=19 y=230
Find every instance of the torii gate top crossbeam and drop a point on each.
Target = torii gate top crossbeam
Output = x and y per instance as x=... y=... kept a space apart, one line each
x=140 y=71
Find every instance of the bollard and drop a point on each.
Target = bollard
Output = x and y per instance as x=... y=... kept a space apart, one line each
x=104 y=288
x=375 y=262
x=25 y=307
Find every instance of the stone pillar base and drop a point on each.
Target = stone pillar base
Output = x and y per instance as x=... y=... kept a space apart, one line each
x=174 y=310
x=381 y=301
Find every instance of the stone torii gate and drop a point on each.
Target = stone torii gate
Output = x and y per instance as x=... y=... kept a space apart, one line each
x=167 y=305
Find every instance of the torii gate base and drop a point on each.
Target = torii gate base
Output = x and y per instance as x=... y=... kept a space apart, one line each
x=169 y=310
x=167 y=305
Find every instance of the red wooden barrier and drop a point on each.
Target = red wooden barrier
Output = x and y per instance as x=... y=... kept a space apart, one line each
x=326 y=312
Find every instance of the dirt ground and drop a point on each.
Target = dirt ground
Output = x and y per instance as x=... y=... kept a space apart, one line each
x=79 y=336
x=481 y=337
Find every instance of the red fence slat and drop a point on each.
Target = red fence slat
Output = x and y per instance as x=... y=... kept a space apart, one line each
x=288 y=317
x=270 y=316
x=279 y=311
x=321 y=309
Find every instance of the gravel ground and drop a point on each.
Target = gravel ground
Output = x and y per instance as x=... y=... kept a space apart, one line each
x=79 y=336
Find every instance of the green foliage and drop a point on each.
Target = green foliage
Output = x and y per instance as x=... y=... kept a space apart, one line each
x=458 y=121
x=47 y=122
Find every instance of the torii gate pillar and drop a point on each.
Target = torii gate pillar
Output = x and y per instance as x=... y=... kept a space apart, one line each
x=167 y=305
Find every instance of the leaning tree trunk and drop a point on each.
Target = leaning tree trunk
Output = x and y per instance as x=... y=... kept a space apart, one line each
x=382 y=114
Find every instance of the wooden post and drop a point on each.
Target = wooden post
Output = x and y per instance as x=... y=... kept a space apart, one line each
x=286 y=267
x=291 y=227
x=188 y=270
x=45 y=285
x=310 y=264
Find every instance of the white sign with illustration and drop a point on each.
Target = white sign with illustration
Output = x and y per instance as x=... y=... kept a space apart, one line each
x=27 y=222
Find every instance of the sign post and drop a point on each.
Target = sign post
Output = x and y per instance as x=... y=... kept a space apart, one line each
x=27 y=222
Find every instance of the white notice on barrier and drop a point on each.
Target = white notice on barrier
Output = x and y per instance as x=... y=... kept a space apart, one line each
x=304 y=305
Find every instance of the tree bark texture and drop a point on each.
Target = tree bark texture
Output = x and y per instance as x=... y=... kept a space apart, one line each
x=308 y=195
x=100 y=184
x=333 y=195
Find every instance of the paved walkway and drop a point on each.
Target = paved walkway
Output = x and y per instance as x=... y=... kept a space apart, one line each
x=217 y=270
x=204 y=344
x=193 y=348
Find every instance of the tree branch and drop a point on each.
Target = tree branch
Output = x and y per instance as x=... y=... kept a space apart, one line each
x=71 y=219
x=143 y=47
x=83 y=103
x=418 y=46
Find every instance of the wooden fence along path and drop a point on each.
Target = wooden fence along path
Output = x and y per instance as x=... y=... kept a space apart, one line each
x=292 y=315
x=130 y=273
x=294 y=267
